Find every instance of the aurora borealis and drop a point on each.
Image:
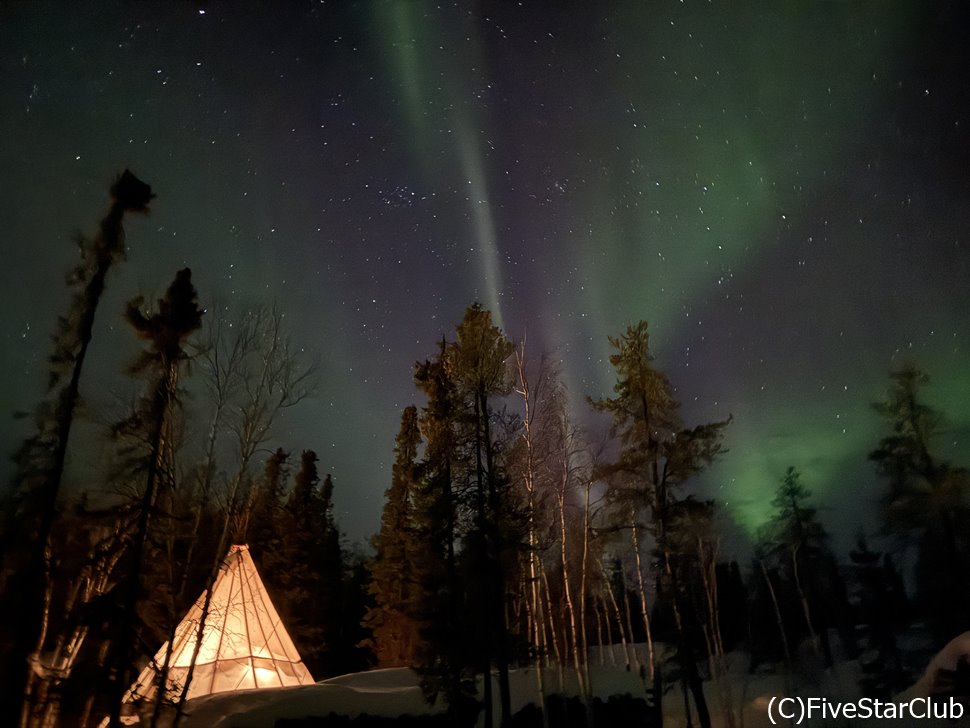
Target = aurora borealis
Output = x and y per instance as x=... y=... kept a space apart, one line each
x=779 y=190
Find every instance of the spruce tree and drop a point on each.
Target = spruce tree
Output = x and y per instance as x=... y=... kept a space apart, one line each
x=795 y=545
x=478 y=363
x=657 y=455
x=264 y=527
x=393 y=627
x=928 y=502
x=445 y=654
x=307 y=576
x=300 y=579
x=166 y=330
x=882 y=609
x=339 y=628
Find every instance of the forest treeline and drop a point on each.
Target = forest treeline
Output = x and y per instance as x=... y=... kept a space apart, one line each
x=92 y=584
x=506 y=539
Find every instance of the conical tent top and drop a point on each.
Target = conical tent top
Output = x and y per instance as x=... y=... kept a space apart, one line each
x=244 y=644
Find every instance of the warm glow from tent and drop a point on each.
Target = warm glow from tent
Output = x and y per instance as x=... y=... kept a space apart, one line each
x=266 y=678
x=244 y=643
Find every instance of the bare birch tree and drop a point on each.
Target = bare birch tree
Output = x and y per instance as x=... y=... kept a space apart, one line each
x=531 y=395
x=254 y=373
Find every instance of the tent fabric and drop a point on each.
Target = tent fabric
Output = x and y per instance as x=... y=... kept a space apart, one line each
x=244 y=643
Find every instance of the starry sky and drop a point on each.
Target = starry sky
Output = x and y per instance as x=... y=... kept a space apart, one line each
x=780 y=189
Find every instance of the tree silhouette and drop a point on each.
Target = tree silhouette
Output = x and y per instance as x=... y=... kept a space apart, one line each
x=166 y=330
x=795 y=545
x=446 y=648
x=928 y=501
x=40 y=461
x=391 y=620
x=478 y=363
x=657 y=455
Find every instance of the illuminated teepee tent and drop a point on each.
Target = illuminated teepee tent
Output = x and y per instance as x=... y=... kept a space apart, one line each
x=244 y=644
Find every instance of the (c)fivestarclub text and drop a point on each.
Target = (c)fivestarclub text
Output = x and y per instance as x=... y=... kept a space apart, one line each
x=802 y=709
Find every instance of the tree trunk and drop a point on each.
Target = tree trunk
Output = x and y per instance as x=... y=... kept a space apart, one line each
x=537 y=631
x=584 y=646
x=31 y=577
x=813 y=635
x=567 y=593
x=162 y=399
x=598 y=610
x=719 y=672
x=629 y=626
x=619 y=622
x=778 y=618
x=553 y=633
x=651 y=660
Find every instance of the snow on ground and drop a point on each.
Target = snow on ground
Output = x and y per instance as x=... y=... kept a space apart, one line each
x=390 y=692
x=394 y=692
x=946 y=660
x=738 y=693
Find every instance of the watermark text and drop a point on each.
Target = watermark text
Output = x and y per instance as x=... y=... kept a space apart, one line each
x=799 y=709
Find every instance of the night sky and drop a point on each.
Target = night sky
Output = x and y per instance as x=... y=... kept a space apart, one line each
x=779 y=188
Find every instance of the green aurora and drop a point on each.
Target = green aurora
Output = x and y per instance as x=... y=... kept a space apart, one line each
x=779 y=190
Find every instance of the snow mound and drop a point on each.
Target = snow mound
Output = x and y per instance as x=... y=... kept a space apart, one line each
x=946 y=660
x=381 y=680
x=388 y=693
x=395 y=692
